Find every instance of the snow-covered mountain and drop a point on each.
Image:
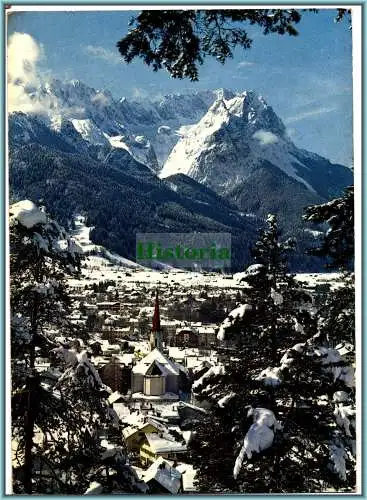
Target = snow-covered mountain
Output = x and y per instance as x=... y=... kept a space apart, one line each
x=219 y=138
x=147 y=129
x=237 y=137
x=206 y=161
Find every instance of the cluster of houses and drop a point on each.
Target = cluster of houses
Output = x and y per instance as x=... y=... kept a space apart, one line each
x=150 y=384
x=150 y=360
x=116 y=317
x=123 y=311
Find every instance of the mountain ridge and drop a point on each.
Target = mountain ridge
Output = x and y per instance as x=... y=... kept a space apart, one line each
x=89 y=153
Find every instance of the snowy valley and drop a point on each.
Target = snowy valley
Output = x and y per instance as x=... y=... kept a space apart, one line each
x=162 y=360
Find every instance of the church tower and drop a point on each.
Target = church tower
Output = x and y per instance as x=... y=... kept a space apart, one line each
x=155 y=339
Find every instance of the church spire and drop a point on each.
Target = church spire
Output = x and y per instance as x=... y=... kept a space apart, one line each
x=156 y=326
x=155 y=339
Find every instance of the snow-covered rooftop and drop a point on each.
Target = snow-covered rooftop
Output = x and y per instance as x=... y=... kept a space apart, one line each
x=167 y=366
x=160 y=444
x=161 y=471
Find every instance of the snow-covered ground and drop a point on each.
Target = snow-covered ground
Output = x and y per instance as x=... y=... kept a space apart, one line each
x=102 y=265
x=96 y=255
x=100 y=269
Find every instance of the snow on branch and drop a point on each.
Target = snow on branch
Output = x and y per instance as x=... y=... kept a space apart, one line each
x=44 y=233
x=259 y=437
x=277 y=297
x=224 y=400
x=337 y=457
x=27 y=214
x=234 y=316
x=345 y=417
x=331 y=361
x=212 y=372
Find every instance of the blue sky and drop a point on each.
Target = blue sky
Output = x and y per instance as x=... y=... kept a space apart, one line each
x=307 y=79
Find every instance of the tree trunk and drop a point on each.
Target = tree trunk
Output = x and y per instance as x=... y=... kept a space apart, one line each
x=30 y=416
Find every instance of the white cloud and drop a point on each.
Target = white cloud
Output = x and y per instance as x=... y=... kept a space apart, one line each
x=24 y=80
x=139 y=93
x=291 y=133
x=309 y=114
x=101 y=99
x=24 y=53
x=104 y=54
x=245 y=64
x=265 y=137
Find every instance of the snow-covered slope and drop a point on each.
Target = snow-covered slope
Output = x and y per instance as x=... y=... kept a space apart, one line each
x=97 y=255
x=139 y=147
x=89 y=131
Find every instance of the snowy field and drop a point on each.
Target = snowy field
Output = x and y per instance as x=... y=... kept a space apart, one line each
x=100 y=269
x=103 y=265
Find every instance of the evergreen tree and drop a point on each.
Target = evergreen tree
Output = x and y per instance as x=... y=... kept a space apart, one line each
x=336 y=326
x=41 y=256
x=56 y=429
x=276 y=306
x=337 y=310
x=338 y=241
x=272 y=425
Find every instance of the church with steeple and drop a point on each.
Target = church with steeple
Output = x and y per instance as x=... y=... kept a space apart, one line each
x=156 y=374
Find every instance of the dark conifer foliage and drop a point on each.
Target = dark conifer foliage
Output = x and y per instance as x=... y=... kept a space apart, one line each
x=280 y=415
x=337 y=307
x=338 y=242
x=56 y=427
x=180 y=40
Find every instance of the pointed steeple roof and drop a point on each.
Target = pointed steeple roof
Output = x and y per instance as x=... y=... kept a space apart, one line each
x=156 y=326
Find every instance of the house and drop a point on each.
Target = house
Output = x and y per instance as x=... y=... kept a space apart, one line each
x=207 y=335
x=108 y=306
x=116 y=375
x=162 y=445
x=188 y=474
x=190 y=413
x=123 y=411
x=177 y=354
x=115 y=397
x=169 y=328
x=134 y=436
x=186 y=337
x=163 y=478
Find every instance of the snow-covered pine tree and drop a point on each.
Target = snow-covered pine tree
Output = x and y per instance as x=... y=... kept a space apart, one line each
x=41 y=256
x=269 y=428
x=56 y=429
x=337 y=310
x=84 y=445
x=336 y=317
x=338 y=242
x=254 y=336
